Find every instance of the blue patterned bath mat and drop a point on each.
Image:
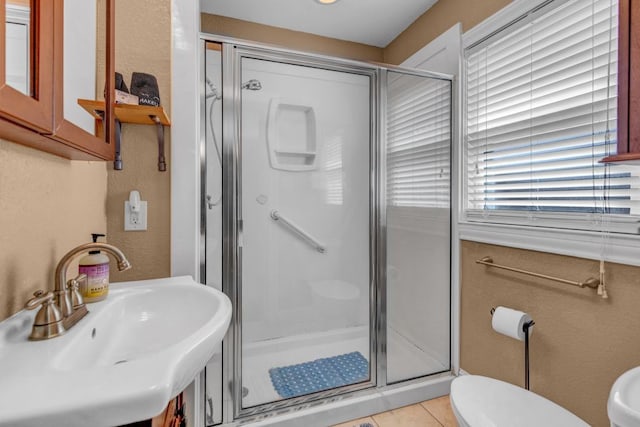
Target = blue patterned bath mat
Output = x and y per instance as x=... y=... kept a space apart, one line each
x=320 y=374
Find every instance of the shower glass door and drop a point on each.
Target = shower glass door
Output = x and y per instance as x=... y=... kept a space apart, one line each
x=304 y=251
x=418 y=218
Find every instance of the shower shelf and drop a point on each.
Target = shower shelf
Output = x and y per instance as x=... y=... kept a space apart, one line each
x=296 y=153
x=291 y=135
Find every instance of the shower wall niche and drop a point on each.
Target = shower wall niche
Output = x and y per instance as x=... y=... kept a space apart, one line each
x=291 y=135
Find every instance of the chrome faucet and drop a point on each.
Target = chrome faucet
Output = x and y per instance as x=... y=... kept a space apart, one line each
x=64 y=307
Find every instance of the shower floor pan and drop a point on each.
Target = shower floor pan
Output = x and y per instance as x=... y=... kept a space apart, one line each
x=408 y=360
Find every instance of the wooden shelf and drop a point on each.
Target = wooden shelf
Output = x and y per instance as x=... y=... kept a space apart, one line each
x=127 y=113
x=624 y=158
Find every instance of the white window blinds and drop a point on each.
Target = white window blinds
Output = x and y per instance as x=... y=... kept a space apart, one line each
x=540 y=111
x=418 y=141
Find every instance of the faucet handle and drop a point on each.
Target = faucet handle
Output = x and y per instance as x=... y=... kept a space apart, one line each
x=73 y=286
x=39 y=297
x=48 y=320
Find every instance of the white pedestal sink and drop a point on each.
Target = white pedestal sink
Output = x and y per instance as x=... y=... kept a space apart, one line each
x=624 y=400
x=122 y=363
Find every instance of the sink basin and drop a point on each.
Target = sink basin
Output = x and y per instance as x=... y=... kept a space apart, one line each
x=122 y=363
x=624 y=400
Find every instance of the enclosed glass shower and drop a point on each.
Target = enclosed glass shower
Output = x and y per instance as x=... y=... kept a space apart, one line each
x=326 y=220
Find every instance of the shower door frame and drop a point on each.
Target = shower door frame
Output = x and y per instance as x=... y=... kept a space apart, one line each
x=232 y=55
x=233 y=50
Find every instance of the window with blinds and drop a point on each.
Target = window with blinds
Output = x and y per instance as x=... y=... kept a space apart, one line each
x=540 y=112
x=418 y=141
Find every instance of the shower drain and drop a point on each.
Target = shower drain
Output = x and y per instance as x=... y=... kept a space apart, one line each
x=245 y=391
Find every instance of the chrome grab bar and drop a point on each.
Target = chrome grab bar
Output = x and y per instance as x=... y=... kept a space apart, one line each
x=293 y=227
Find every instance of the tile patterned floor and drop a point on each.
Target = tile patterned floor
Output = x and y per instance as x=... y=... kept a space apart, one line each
x=431 y=413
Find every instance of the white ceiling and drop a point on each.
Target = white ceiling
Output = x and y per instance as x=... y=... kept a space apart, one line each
x=372 y=22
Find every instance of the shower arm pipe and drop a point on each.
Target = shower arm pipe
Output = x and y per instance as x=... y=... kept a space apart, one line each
x=590 y=282
x=275 y=215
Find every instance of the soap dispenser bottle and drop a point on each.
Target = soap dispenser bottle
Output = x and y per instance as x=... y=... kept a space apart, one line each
x=96 y=266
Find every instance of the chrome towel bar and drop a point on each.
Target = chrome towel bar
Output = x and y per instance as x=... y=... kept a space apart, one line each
x=590 y=282
x=275 y=215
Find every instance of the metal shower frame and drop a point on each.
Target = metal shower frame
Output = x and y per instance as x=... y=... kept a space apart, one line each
x=233 y=50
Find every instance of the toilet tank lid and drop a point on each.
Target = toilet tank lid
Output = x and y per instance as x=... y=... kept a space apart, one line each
x=487 y=402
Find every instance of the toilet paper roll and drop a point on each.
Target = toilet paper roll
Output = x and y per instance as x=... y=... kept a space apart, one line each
x=510 y=322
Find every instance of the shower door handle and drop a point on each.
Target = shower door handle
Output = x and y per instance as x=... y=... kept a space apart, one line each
x=209 y=410
x=210 y=204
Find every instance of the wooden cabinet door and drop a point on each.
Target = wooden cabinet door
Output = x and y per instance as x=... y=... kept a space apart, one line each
x=628 y=83
x=33 y=112
x=65 y=130
x=34 y=109
x=629 y=78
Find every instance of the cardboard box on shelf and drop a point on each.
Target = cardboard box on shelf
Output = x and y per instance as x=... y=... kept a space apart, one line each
x=125 y=98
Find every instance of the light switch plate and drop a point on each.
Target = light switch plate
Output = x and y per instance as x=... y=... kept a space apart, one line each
x=135 y=221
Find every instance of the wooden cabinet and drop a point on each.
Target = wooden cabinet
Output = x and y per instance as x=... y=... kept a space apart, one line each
x=172 y=416
x=628 y=83
x=65 y=130
x=34 y=114
x=34 y=109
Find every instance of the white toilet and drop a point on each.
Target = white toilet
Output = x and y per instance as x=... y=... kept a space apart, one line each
x=486 y=402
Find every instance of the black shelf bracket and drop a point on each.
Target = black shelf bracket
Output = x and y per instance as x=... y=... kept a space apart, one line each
x=162 y=164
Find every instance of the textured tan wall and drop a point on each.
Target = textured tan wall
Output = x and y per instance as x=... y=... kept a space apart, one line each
x=49 y=205
x=438 y=19
x=296 y=40
x=581 y=343
x=143 y=44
